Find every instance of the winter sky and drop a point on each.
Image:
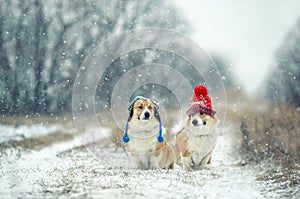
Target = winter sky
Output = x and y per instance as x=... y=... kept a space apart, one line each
x=246 y=32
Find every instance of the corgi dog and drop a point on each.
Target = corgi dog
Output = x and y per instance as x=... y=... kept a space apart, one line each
x=143 y=124
x=196 y=140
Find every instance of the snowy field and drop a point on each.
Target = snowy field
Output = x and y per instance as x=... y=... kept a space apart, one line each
x=67 y=169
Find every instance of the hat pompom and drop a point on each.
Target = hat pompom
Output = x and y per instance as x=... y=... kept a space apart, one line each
x=200 y=90
x=160 y=138
x=201 y=102
x=125 y=138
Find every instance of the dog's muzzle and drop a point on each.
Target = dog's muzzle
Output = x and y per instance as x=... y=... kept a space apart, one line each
x=145 y=116
x=196 y=122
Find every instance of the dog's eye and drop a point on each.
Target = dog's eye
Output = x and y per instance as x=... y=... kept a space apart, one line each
x=201 y=113
x=204 y=122
x=150 y=107
x=140 y=107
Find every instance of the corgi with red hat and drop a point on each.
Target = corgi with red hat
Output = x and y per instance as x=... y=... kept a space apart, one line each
x=196 y=140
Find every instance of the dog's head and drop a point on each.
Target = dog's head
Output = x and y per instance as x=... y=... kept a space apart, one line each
x=143 y=112
x=201 y=120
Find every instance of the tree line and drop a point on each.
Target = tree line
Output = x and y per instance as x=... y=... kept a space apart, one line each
x=283 y=84
x=43 y=43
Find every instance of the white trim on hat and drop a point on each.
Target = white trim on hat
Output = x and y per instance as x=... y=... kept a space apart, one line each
x=199 y=102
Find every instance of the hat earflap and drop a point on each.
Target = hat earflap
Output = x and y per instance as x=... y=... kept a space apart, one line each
x=125 y=137
x=160 y=137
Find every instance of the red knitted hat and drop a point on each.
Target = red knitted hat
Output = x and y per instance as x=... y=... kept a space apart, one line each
x=201 y=102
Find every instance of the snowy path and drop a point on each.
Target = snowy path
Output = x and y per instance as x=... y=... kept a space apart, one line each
x=66 y=169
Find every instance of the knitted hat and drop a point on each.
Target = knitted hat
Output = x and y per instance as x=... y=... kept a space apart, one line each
x=201 y=102
x=125 y=137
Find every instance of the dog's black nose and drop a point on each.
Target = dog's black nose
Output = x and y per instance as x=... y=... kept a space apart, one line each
x=147 y=115
x=195 y=122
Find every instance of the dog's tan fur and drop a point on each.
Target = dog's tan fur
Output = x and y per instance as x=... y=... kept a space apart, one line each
x=144 y=147
x=194 y=144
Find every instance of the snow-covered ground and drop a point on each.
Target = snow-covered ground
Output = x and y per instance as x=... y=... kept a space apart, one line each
x=67 y=169
x=20 y=132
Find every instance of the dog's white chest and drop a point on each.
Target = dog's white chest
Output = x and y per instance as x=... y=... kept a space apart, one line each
x=202 y=144
x=199 y=136
x=198 y=143
x=143 y=145
x=143 y=140
x=143 y=150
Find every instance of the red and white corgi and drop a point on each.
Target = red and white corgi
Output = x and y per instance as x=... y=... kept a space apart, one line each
x=196 y=140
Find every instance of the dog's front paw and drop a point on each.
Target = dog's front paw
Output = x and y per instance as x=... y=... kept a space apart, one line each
x=187 y=167
x=154 y=167
x=187 y=163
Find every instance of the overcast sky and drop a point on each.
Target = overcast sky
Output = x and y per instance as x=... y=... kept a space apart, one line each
x=247 y=32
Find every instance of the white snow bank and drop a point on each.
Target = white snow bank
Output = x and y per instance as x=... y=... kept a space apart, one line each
x=21 y=132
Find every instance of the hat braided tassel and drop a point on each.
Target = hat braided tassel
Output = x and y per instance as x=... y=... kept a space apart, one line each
x=160 y=137
x=125 y=137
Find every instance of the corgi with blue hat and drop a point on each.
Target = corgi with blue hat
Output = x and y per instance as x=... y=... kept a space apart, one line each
x=144 y=135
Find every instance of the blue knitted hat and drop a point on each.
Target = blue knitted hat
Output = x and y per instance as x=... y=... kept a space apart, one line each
x=125 y=137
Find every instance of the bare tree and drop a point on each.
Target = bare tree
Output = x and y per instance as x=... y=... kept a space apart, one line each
x=48 y=40
x=40 y=42
x=225 y=69
x=5 y=68
x=284 y=83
